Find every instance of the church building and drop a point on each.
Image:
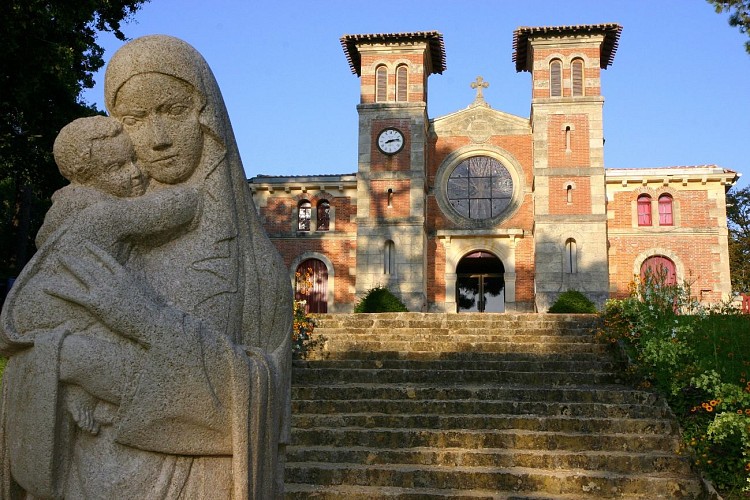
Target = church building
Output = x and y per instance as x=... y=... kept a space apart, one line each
x=481 y=210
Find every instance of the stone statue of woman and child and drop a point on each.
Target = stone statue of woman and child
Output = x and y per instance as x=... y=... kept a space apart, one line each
x=148 y=340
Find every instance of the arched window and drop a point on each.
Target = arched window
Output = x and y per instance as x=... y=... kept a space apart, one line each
x=324 y=215
x=381 y=84
x=555 y=78
x=665 y=210
x=569 y=193
x=402 y=81
x=304 y=212
x=570 y=258
x=576 y=75
x=567 y=139
x=644 y=210
x=390 y=197
x=389 y=258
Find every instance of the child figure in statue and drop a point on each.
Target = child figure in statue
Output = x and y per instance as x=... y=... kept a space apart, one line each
x=104 y=205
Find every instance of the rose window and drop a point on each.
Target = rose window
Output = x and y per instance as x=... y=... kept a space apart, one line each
x=480 y=188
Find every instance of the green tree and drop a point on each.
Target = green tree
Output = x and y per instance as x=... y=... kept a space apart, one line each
x=49 y=54
x=738 y=215
x=739 y=14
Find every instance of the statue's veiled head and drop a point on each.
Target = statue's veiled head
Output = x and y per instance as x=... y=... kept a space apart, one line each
x=163 y=92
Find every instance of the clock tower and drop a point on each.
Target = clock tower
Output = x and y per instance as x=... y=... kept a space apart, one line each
x=391 y=181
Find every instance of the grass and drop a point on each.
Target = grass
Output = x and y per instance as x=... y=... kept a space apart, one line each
x=722 y=343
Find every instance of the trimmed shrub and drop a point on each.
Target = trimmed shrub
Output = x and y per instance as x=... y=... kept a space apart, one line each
x=379 y=299
x=573 y=302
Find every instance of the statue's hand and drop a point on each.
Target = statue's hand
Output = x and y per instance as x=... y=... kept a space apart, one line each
x=108 y=291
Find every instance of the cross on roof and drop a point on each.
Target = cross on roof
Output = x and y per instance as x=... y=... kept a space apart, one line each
x=479 y=84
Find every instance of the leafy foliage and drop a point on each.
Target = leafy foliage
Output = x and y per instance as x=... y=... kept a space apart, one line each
x=699 y=359
x=739 y=14
x=379 y=299
x=738 y=215
x=573 y=302
x=49 y=55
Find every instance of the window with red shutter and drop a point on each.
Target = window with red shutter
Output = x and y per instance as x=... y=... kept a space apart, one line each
x=644 y=210
x=665 y=210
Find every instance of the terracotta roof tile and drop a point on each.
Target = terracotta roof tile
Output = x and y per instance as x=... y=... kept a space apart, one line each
x=435 y=39
x=522 y=35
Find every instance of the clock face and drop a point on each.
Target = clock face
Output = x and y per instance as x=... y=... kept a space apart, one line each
x=390 y=141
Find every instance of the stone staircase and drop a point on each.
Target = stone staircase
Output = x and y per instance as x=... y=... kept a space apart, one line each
x=523 y=406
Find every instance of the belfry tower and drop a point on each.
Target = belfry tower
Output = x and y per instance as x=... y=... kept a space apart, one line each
x=569 y=185
x=391 y=182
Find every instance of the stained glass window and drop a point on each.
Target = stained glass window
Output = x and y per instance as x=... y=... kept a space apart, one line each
x=480 y=188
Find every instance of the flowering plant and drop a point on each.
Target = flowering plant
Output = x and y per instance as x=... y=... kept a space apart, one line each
x=304 y=324
x=698 y=358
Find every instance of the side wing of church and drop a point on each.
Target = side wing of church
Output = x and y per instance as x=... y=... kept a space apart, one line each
x=481 y=210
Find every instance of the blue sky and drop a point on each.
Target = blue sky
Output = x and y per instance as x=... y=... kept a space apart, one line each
x=676 y=94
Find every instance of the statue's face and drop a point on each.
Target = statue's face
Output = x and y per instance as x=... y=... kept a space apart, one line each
x=116 y=172
x=160 y=113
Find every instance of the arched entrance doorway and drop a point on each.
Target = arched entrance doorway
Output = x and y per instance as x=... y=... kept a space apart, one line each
x=660 y=268
x=480 y=286
x=311 y=285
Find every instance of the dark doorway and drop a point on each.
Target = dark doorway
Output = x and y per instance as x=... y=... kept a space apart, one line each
x=480 y=286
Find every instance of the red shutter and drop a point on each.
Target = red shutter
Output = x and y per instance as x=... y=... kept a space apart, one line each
x=644 y=210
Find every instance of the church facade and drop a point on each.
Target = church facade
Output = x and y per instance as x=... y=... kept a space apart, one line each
x=481 y=210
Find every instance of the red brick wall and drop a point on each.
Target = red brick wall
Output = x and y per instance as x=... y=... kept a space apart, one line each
x=435 y=271
x=277 y=215
x=542 y=74
x=558 y=196
x=401 y=161
x=525 y=269
x=696 y=252
x=337 y=250
x=579 y=141
x=521 y=147
x=415 y=85
x=400 y=201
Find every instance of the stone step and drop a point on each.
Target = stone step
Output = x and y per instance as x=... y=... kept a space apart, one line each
x=377 y=345
x=515 y=393
x=465 y=356
x=483 y=438
x=615 y=461
x=457 y=331
x=512 y=406
x=479 y=406
x=545 y=364
x=538 y=377
x=452 y=336
x=347 y=492
x=510 y=479
x=557 y=423
x=430 y=320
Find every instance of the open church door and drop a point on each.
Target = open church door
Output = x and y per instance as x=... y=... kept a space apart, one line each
x=480 y=286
